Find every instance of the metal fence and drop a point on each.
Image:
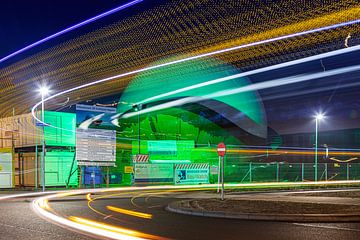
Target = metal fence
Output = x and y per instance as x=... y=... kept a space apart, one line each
x=290 y=172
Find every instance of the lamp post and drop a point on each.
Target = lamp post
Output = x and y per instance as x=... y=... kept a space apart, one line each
x=43 y=91
x=138 y=107
x=318 y=117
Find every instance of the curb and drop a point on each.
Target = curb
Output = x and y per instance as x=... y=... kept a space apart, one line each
x=175 y=207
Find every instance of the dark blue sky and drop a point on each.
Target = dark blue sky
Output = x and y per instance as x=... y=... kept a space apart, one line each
x=24 y=22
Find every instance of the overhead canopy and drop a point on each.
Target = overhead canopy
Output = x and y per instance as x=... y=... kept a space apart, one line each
x=245 y=109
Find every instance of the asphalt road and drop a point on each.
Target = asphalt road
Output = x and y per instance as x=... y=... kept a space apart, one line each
x=19 y=221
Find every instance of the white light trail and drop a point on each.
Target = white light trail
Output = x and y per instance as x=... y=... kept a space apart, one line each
x=38 y=204
x=253 y=72
x=252 y=87
x=90 y=20
x=193 y=58
x=219 y=80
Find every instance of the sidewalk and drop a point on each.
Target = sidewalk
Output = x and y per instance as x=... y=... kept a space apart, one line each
x=289 y=206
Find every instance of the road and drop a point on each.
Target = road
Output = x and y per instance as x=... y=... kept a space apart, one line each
x=19 y=221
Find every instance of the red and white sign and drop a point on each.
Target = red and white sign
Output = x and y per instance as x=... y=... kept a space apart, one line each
x=221 y=149
x=140 y=158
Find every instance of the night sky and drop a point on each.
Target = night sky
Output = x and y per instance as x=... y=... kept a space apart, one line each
x=24 y=22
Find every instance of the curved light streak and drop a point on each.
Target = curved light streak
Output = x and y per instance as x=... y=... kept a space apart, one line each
x=252 y=87
x=40 y=205
x=343 y=161
x=70 y=29
x=130 y=212
x=201 y=56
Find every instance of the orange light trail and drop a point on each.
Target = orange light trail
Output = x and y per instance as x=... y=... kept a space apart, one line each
x=129 y=212
x=114 y=229
x=292 y=152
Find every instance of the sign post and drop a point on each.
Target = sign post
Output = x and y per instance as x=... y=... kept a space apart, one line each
x=221 y=150
x=219 y=173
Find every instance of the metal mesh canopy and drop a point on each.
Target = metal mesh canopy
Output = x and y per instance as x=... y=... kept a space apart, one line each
x=176 y=28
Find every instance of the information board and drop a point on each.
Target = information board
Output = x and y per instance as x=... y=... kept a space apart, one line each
x=88 y=116
x=154 y=172
x=96 y=147
x=95 y=136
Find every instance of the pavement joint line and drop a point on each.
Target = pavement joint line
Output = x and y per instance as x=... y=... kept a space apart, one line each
x=327 y=227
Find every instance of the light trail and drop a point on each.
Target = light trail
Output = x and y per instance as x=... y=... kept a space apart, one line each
x=202 y=56
x=21 y=195
x=279 y=151
x=252 y=87
x=40 y=205
x=90 y=20
x=130 y=212
x=116 y=232
x=344 y=161
x=291 y=152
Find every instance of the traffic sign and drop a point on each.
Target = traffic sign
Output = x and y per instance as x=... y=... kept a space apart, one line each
x=221 y=149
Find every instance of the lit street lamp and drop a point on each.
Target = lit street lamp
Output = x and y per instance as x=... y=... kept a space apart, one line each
x=43 y=91
x=318 y=118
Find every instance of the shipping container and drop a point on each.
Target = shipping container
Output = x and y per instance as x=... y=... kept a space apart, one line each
x=6 y=168
x=21 y=130
x=58 y=167
x=63 y=132
x=25 y=169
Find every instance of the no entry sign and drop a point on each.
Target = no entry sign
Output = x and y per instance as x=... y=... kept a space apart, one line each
x=221 y=149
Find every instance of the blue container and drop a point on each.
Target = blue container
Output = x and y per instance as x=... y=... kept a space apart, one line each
x=91 y=174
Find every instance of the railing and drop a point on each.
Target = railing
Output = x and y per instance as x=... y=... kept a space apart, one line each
x=290 y=172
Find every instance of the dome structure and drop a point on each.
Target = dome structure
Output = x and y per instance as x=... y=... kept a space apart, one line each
x=241 y=114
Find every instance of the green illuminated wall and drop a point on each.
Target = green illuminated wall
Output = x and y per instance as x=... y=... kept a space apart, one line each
x=57 y=168
x=62 y=136
x=169 y=126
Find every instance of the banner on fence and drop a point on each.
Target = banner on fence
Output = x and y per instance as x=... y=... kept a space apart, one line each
x=154 y=172
x=194 y=173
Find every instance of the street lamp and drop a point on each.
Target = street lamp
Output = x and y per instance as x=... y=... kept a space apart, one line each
x=318 y=118
x=43 y=91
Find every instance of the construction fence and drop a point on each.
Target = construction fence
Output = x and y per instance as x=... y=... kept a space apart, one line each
x=290 y=172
